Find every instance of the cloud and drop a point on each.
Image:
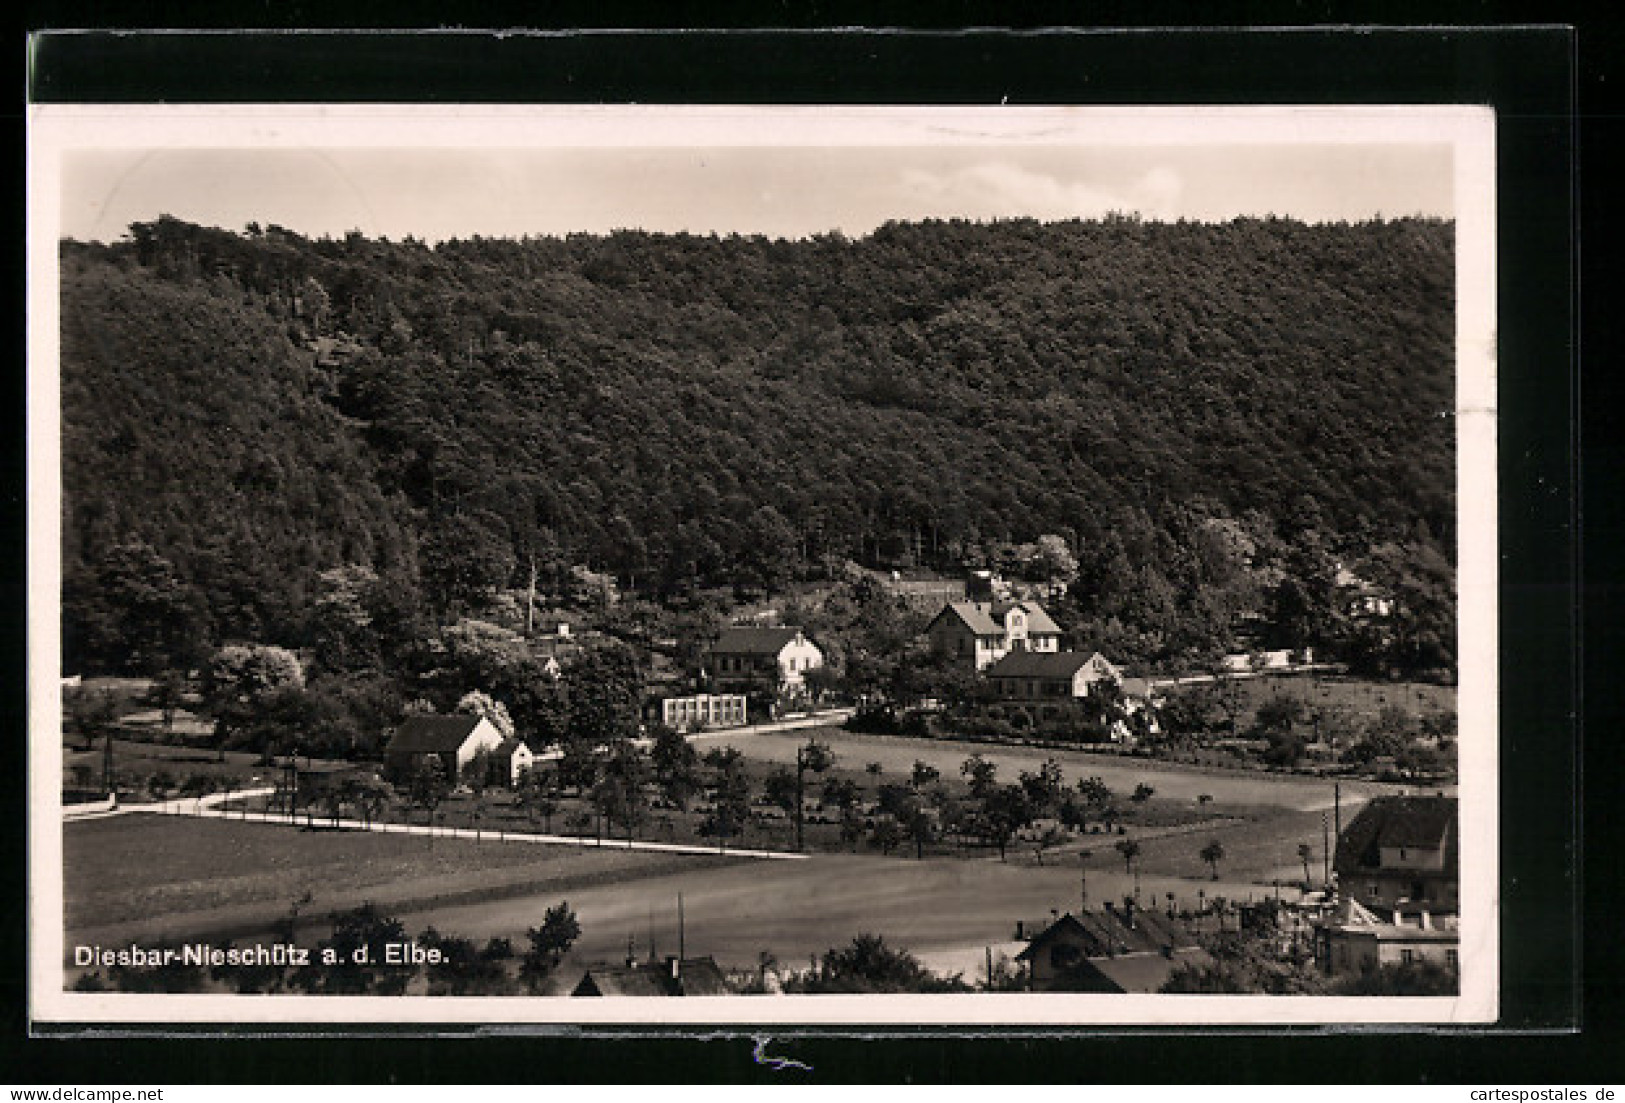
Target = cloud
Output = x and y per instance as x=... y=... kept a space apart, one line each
x=999 y=189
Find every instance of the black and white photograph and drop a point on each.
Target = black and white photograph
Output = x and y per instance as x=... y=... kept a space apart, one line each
x=814 y=564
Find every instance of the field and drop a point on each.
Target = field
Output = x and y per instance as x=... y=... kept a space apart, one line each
x=1172 y=782
x=167 y=875
x=1362 y=699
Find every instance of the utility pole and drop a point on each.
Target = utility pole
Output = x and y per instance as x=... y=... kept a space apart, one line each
x=1325 y=852
x=530 y=600
x=107 y=762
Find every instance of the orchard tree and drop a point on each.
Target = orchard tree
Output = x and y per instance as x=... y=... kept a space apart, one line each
x=676 y=766
x=1213 y=854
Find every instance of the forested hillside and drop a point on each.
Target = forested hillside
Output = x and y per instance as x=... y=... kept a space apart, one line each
x=1211 y=417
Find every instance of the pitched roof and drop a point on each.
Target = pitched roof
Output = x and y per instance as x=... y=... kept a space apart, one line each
x=987 y=619
x=1386 y=822
x=433 y=734
x=1037 y=620
x=745 y=640
x=695 y=976
x=508 y=746
x=1042 y=664
x=1144 y=971
x=1110 y=932
x=621 y=980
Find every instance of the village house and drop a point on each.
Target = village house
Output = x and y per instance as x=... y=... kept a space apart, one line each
x=981 y=633
x=1363 y=601
x=450 y=741
x=1401 y=853
x=511 y=758
x=696 y=976
x=1354 y=939
x=1043 y=677
x=745 y=657
x=705 y=710
x=1123 y=948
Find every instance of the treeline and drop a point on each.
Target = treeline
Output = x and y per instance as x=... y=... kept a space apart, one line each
x=1209 y=417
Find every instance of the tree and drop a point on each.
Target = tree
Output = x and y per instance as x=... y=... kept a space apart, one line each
x=1005 y=810
x=730 y=796
x=676 y=766
x=464 y=969
x=1043 y=788
x=924 y=774
x=476 y=772
x=428 y=785
x=886 y=835
x=981 y=774
x=618 y=796
x=1142 y=793
x=1213 y=854
x=1305 y=854
x=537 y=795
x=869 y=965
x=133 y=614
x=167 y=694
x=1130 y=850
x=549 y=943
x=96 y=717
x=238 y=681
x=356 y=966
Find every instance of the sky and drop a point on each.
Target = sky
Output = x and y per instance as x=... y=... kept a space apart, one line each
x=778 y=191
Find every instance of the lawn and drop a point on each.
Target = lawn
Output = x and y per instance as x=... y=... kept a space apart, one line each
x=168 y=874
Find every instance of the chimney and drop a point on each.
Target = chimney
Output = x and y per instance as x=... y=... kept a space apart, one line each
x=1427 y=921
x=676 y=967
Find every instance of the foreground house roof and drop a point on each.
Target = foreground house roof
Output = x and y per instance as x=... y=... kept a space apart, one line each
x=1392 y=822
x=696 y=976
x=433 y=734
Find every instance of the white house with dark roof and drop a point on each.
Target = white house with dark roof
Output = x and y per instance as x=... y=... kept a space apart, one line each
x=983 y=632
x=451 y=741
x=743 y=656
x=1047 y=677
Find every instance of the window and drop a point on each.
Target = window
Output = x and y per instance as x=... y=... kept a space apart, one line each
x=1407 y=957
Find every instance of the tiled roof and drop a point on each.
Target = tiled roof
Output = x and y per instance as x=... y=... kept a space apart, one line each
x=741 y=640
x=1422 y=822
x=1041 y=664
x=432 y=734
x=1145 y=972
x=1110 y=932
x=986 y=619
x=696 y=976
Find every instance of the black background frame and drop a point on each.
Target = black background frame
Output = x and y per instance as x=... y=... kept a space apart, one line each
x=1527 y=74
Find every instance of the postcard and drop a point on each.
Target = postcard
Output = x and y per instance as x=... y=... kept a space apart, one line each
x=827 y=565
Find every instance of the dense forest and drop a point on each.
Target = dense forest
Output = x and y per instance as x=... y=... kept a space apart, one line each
x=1211 y=418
